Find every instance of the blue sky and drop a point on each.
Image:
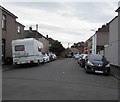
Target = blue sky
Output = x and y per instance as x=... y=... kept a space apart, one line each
x=68 y=22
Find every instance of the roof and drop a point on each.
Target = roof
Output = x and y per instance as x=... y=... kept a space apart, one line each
x=20 y=23
x=51 y=40
x=118 y=9
x=8 y=12
x=113 y=19
x=33 y=34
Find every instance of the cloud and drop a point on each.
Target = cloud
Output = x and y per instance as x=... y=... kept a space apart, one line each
x=91 y=11
x=67 y=22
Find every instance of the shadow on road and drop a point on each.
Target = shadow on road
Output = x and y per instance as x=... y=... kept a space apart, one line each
x=25 y=66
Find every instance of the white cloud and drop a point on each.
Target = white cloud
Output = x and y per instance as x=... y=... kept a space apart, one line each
x=68 y=22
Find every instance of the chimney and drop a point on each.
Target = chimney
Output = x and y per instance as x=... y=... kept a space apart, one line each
x=30 y=28
x=36 y=27
x=47 y=36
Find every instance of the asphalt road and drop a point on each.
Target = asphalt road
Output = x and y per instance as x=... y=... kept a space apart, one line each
x=58 y=80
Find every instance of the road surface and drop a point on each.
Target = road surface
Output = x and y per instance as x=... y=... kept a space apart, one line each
x=58 y=80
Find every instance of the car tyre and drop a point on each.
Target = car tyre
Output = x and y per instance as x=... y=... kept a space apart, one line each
x=108 y=74
x=82 y=65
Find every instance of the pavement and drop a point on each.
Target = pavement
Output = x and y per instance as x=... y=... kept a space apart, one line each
x=115 y=71
x=7 y=67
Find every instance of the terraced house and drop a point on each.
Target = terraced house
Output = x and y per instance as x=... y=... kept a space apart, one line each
x=95 y=44
x=118 y=10
x=11 y=30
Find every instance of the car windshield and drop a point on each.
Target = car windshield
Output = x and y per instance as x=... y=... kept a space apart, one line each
x=97 y=58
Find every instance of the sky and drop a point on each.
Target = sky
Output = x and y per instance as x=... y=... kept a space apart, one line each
x=67 y=22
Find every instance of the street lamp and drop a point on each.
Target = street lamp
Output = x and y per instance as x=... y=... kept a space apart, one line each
x=94 y=41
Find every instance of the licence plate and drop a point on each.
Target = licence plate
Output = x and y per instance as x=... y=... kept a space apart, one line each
x=99 y=71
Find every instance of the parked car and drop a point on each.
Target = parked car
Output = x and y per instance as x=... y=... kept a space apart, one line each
x=68 y=56
x=96 y=63
x=46 y=58
x=82 y=59
x=77 y=56
x=52 y=57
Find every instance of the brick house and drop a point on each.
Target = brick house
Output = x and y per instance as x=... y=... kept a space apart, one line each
x=11 y=30
x=112 y=49
x=0 y=34
x=95 y=44
x=118 y=10
x=79 y=46
x=88 y=46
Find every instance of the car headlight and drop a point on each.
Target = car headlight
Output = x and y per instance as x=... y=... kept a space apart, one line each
x=89 y=63
x=108 y=65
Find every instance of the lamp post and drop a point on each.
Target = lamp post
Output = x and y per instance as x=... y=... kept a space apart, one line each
x=36 y=31
x=94 y=42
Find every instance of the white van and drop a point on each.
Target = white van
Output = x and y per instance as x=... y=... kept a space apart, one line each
x=27 y=50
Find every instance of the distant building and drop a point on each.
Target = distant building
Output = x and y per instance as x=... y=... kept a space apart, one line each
x=88 y=46
x=95 y=44
x=79 y=46
x=11 y=30
x=70 y=51
x=35 y=34
x=102 y=38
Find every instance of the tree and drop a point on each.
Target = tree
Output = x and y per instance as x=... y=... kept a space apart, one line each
x=57 y=48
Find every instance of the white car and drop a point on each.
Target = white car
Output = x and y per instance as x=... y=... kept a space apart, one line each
x=77 y=56
x=81 y=60
x=46 y=58
x=54 y=57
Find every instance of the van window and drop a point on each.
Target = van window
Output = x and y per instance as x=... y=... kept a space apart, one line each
x=19 y=48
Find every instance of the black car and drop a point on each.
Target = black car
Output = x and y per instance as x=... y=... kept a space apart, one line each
x=96 y=63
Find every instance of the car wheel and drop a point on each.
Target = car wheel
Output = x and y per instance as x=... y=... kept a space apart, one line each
x=38 y=62
x=86 y=70
x=82 y=65
x=107 y=74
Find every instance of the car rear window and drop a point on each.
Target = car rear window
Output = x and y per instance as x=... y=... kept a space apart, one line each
x=19 y=48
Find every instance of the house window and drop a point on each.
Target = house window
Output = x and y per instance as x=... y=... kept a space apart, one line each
x=19 y=29
x=4 y=22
